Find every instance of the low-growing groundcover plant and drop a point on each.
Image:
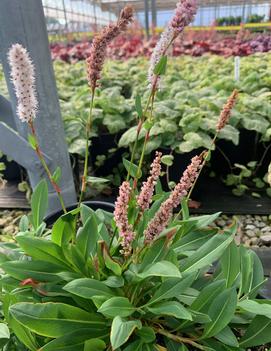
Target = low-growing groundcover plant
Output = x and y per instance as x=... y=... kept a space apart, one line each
x=142 y=278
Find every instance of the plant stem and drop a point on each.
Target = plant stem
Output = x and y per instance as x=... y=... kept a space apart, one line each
x=46 y=168
x=139 y=127
x=147 y=137
x=88 y=128
x=179 y=339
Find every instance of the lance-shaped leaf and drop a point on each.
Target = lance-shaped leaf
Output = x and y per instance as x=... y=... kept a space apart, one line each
x=39 y=203
x=117 y=306
x=221 y=312
x=208 y=253
x=57 y=319
x=87 y=288
x=160 y=269
x=258 y=332
x=170 y=308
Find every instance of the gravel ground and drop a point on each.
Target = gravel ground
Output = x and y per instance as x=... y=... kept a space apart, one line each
x=253 y=230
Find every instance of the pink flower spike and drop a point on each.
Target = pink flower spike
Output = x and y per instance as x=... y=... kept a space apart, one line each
x=100 y=42
x=23 y=78
x=121 y=218
x=226 y=111
x=164 y=214
x=145 y=197
x=183 y=16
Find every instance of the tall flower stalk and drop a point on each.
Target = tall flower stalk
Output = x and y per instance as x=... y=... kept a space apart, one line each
x=222 y=121
x=23 y=78
x=95 y=63
x=183 y=16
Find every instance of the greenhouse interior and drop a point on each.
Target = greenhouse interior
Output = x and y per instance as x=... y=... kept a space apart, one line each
x=135 y=175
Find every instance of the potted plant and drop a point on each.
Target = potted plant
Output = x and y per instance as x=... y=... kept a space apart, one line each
x=141 y=278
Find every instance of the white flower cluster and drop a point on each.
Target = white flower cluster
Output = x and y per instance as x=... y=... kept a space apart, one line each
x=23 y=78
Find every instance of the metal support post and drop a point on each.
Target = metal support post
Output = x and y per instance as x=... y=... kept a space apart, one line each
x=147 y=22
x=22 y=21
x=154 y=13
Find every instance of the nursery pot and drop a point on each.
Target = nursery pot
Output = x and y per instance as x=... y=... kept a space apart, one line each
x=94 y=205
x=101 y=146
x=244 y=152
x=12 y=171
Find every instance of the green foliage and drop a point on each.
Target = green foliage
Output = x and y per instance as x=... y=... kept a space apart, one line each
x=191 y=98
x=244 y=180
x=76 y=292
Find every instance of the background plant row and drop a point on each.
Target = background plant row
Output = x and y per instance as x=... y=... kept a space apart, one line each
x=186 y=109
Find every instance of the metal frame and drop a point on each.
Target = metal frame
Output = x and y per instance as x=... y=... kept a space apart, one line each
x=22 y=21
x=171 y=4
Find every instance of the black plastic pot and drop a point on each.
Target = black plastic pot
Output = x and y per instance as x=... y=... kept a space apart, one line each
x=247 y=150
x=101 y=146
x=12 y=171
x=95 y=205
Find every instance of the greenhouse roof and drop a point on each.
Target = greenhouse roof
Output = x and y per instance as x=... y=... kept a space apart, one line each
x=115 y=5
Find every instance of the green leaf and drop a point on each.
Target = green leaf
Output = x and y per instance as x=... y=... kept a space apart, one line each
x=221 y=312
x=132 y=168
x=121 y=331
x=111 y=264
x=258 y=332
x=171 y=308
x=161 y=66
x=130 y=136
x=135 y=346
x=23 y=334
x=192 y=241
x=39 y=203
x=57 y=319
x=246 y=270
x=32 y=141
x=160 y=269
x=171 y=288
x=57 y=175
x=70 y=342
x=63 y=229
x=96 y=180
x=167 y=160
x=207 y=295
x=138 y=106
x=117 y=306
x=42 y=249
x=256 y=308
x=87 y=237
x=208 y=253
x=94 y=345
x=174 y=346
x=157 y=253
x=4 y=334
x=87 y=288
x=227 y=337
x=24 y=223
x=37 y=270
x=114 y=282
x=230 y=264
x=146 y=334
